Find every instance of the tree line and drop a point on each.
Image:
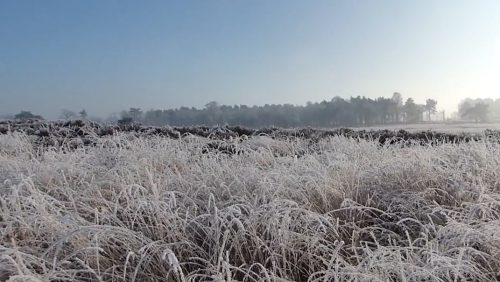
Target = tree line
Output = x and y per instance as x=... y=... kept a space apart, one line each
x=355 y=111
x=352 y=112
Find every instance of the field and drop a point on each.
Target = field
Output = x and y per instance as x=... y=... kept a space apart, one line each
x=86 y=202
x=450 y=127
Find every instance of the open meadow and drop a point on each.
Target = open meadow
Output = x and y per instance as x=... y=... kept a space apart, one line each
x=450 y=127
x=84 y=202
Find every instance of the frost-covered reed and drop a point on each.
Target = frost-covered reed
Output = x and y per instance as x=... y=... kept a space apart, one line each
x=158 y=209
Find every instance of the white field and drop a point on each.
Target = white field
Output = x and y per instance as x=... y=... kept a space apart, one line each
x=440 y=127
x=136 y=209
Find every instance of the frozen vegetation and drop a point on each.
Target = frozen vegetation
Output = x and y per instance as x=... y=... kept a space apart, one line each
x=151 y=208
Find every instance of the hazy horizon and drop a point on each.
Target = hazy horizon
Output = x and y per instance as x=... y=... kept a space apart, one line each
x=109 y=56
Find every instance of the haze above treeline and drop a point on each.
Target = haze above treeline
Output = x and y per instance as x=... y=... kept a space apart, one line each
x=355 y=111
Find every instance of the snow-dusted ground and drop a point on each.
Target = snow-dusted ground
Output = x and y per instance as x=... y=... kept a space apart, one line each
x=441 y=127
x=159 y=209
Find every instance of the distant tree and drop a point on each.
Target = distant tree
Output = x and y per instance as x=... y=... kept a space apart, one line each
x=67 y=114
x=477 y=111
x=430 y=107
x=413 y=112
x=397 y=99
x=135 y=113
x=481 y=111
x=384 y=109
x=153 y=117
x=212 y=112
x=25 y=115
x=83 y=114
x=212 y=105
x=495 y=109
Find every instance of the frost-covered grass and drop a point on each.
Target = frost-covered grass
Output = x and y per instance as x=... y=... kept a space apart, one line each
x=158 y=209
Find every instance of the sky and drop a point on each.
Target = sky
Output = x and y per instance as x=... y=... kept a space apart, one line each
x=106 y=56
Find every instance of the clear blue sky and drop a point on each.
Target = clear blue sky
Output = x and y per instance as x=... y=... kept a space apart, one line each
x=106 y=55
